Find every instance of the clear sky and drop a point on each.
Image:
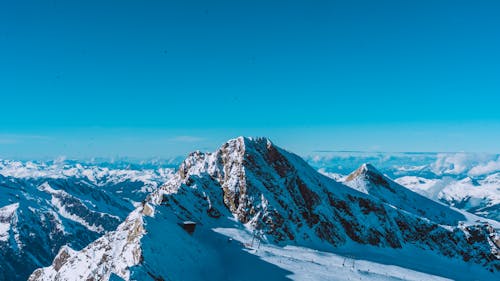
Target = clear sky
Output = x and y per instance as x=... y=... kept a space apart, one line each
x=160 y=78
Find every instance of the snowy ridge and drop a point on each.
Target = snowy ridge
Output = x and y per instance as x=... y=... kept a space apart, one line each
x=113 y=253
x=74 y=209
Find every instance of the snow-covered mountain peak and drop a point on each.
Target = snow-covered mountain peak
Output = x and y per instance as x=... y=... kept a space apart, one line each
x=230 y=163
x=366 y=177
x=369 y=180
x=245 y=168
x=367 y=167
x=249 y=141
x=366 y=172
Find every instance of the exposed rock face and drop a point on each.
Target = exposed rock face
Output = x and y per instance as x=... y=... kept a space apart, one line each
x=62 y=257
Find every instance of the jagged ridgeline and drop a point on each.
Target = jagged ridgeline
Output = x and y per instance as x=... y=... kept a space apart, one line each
x=252 y=186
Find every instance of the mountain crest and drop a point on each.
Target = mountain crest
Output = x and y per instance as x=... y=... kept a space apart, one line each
x=368 y=172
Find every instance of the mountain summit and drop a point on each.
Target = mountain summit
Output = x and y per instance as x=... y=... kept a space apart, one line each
x=369 y=180
x=251 y=188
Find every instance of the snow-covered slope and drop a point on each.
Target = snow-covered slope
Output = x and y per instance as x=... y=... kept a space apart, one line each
x=111 y=254
x=478 y=196
x=168 y=253
x=251 y=188
x=8 y=217
x=43 y=207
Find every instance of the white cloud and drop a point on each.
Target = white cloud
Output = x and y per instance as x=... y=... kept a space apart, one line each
x=473 y=164
x=483 y=169
x=451 y=163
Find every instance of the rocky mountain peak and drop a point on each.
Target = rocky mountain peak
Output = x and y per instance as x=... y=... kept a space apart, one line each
x=369 y=180
x=367 y=172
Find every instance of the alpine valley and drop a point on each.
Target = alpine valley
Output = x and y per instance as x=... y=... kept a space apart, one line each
x=248 y=211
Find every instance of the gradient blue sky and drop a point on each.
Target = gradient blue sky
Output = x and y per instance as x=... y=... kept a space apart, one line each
x=160 y=78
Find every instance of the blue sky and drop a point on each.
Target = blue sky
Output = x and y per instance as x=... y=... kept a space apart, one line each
x=160 y=78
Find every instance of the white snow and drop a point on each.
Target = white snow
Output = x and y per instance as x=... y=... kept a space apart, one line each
x=61 y=209
x=466 y=193
x=7 y=214
x=308 y=264
x=65 y=213
x=335 y=176
x=114 y=253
